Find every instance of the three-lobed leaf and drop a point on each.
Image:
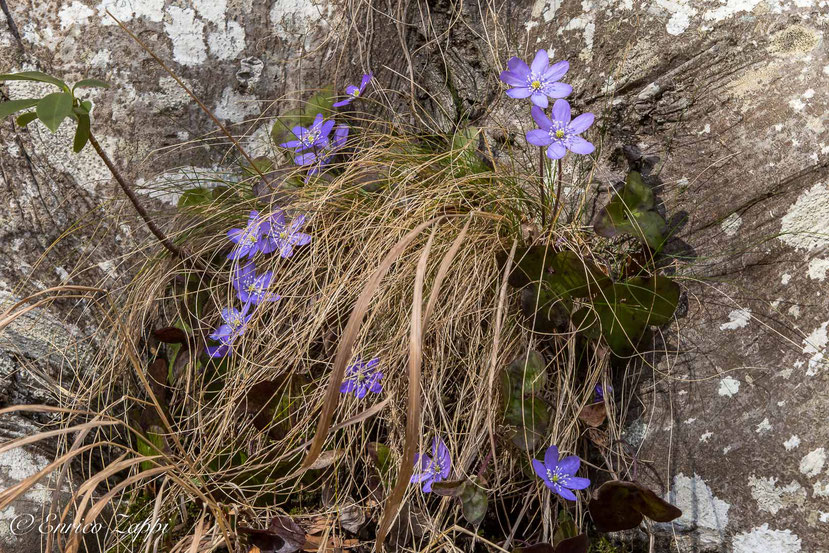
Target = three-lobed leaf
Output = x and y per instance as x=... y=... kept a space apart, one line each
x=619 y=505
x=631 y=211
x=473 y=498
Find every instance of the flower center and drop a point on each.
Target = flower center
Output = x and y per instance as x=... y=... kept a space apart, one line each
x=551 y=476
x=560 y=133
x=252 y=287
x=250 y=238
x=356 y=92
x=235 y=321
x=283 y=235
x=535 y=85
x=311 y=137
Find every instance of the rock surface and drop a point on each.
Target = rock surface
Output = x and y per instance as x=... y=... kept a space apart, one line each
x=729 y=95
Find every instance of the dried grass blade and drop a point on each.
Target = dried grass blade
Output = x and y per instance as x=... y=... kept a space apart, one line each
x=413 y=413
x=443 y=269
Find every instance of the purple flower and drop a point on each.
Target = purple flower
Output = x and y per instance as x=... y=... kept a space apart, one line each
x=432 y=469
x=282 y=237
x=315 y=136
x=253 y=288
x=602 y=390
x=353 y=91
x=538 y=81
x=558 y=475
x=234 y=325
x=340 y=136
x=249 y=239
x=362 y=378
x=561 y=134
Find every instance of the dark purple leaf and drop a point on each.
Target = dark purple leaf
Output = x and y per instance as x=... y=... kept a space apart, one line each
x=619 y=505
x=170 y=335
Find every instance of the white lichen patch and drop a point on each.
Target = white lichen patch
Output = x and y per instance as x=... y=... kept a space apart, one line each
x=153 y=10
x=731 y=224
x=75 y=13
x=18 y=464
x=700 y=507
x=235 y=107
x=211 y=10
x=186 y=32
x=763 y=426
x=228 y=42
x=729 y=387
x=167 y=187
x=785 y=278
x=680 y=12
x=815 y=345
x=792 y=442
x=818 y=268
x=730 y=8
x=738 y=318
x=705 y=437
x=806 y=224
x=762 y=539
x=295 y=19
x=772 y=498
x=812 y=463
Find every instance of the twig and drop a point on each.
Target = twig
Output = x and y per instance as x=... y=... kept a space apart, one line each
x=134 y=199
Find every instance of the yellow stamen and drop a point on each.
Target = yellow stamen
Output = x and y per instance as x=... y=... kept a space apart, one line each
x=535 y=85
x=560 y=133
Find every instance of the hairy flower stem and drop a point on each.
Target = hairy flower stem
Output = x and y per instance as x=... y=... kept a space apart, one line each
x=134 y=199
x=559 y=179
x=541 y=165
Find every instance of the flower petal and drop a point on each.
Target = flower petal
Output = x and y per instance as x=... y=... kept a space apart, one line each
x=551 y=457
x=578 y=145
x=540 y=469
x=541 y=118
x=538 y=137
x=558 y=90
x=570 y=465
x=556 y=150
x=351 y=89
x=556 y=71
x=427 y=487
x=325 y=129
x=519 y=92
x=217 y=351
x=291 y=144
x=561 y=111
x=347 y=386
x=581 y=123
x=512 y=79
x=519 y=67
x=342 y=103
x=540 y=62
x=365 y=80
x=564 y=492
x=577 y=483
x=540 y=99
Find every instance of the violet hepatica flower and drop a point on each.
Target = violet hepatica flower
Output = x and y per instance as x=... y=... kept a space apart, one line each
x=233 y=326
x=253 y=288
x=282 y=237
x=432 y=469
x=249 y=239
x=561 y=133
x=315 y=136
x=362 y=378
x=537 y=81
x=558 y=474
x=602 y=390
x=354 y=92
x=340 y=136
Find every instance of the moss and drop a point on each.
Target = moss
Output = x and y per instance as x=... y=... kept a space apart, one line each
x=603 y=545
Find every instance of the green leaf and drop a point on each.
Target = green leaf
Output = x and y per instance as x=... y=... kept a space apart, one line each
x=619 y=505
x=631 y=211
x=54 y=108
x=529 y=417
x=25 y=118
x=90 y=83
x=624 y=310
x=150 y=444
x=566 y=527
x=195 y=196
x=13 y=106
x=81 y=133
x=34 y=76
x=321 y=102
x=527 y=374
x=473 y=498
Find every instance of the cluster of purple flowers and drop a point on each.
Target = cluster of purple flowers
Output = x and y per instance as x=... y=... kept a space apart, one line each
x=539 y=83
x=260 y=235
x=313 y=146
x=362 y=378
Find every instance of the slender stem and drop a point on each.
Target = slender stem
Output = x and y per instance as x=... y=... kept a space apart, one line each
x=541 y=166
x=559 y=179
x=134 y=199
x=485 y=464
